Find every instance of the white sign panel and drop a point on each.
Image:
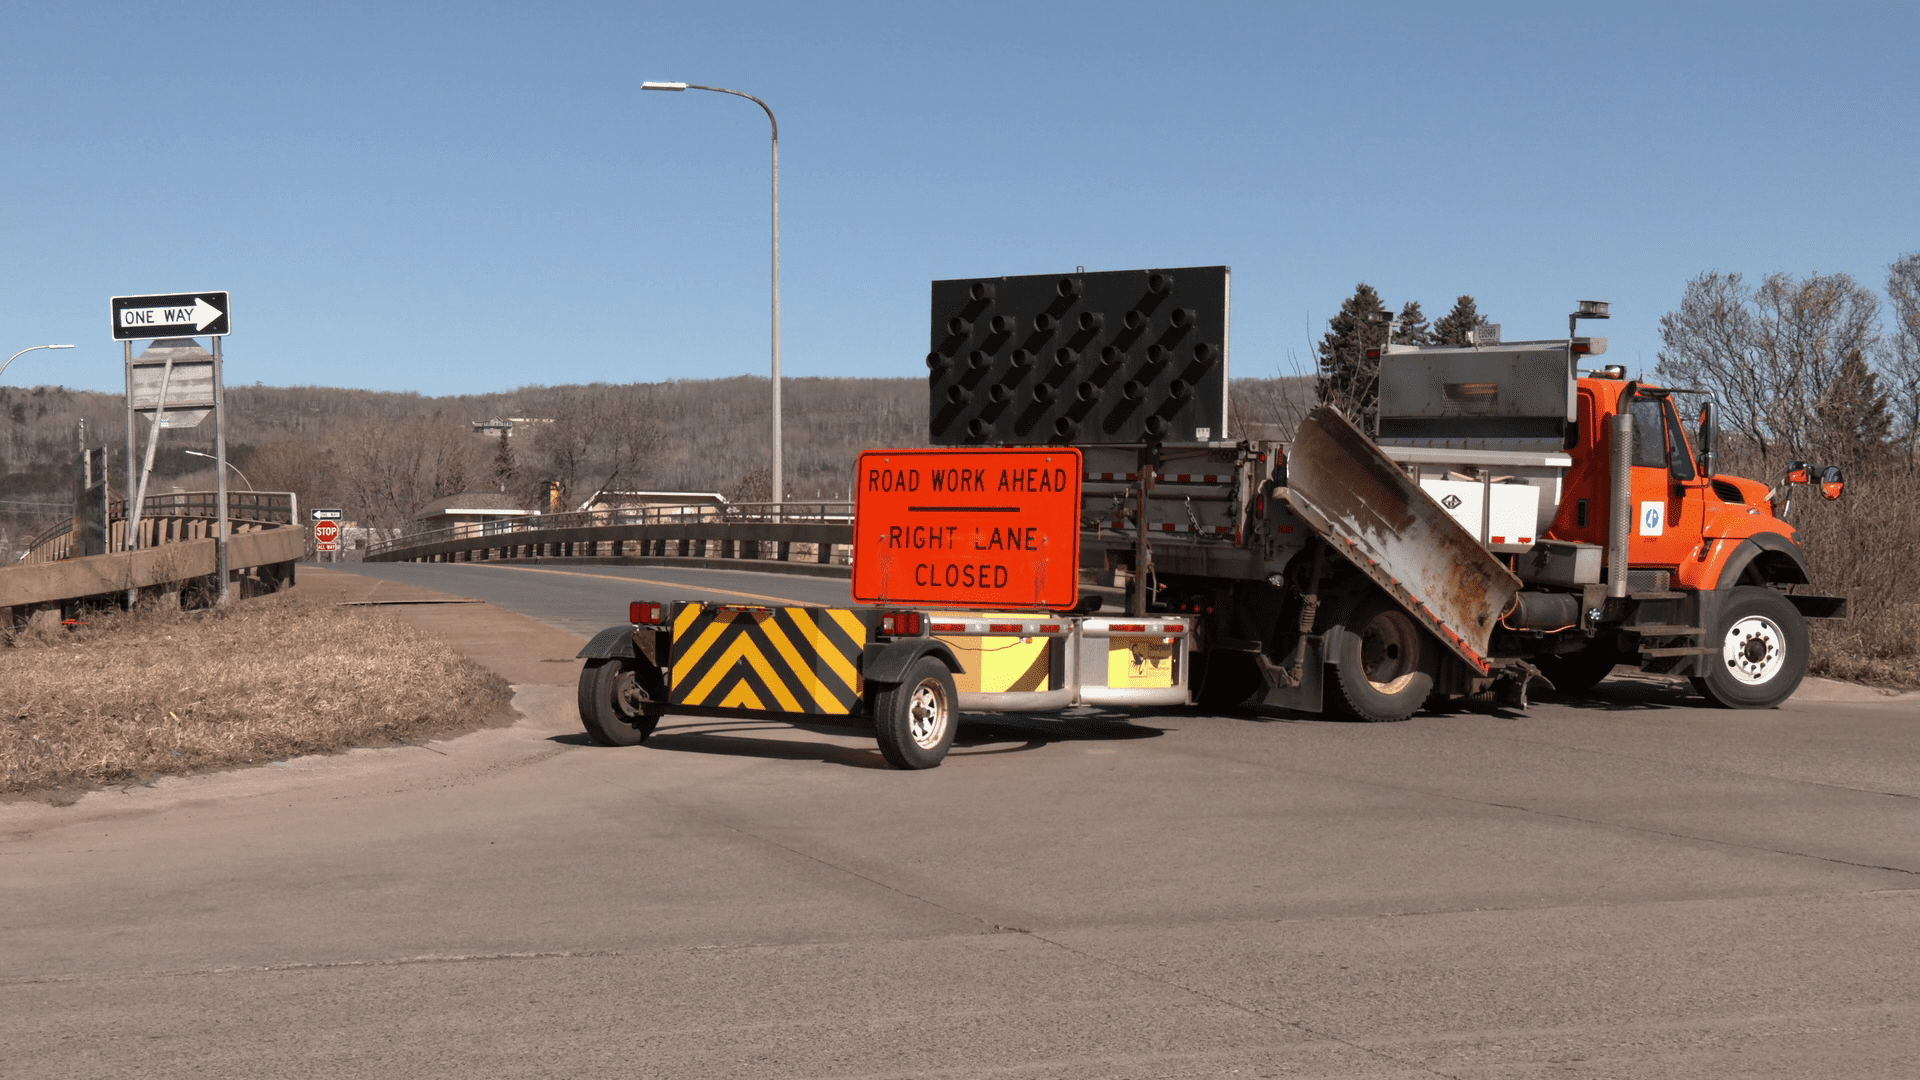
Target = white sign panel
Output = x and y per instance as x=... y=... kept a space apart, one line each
x=1653 y=518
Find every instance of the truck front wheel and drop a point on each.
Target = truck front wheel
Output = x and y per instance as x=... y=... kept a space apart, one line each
x=915 y=719
x=1381 y=665
x=1760 y=651
x=619 y=703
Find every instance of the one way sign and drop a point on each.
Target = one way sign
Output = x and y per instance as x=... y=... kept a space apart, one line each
x=201 y=314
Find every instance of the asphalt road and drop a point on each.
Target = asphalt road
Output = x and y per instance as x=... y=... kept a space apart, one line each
x=1627 y=886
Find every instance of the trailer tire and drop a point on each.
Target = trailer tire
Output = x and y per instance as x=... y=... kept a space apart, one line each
x=1761 y=653
x=915 y=718
x=1578 y=672
x=1382 y=664
x=619 y=703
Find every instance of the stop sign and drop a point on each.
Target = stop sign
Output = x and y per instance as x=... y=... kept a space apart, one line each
x=326 y=535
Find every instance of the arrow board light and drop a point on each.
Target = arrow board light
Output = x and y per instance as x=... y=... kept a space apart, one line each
x=205 y=314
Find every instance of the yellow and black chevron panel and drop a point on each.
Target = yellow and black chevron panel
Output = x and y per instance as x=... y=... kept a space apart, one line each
x=784 y=659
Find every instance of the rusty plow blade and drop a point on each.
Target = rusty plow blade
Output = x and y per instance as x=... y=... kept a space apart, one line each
x=1366 y=509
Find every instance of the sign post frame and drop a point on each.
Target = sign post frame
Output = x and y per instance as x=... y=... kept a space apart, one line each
x=208 y=313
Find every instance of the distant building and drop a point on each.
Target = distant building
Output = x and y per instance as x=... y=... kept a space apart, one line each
x=650 y=506
x=474 y=513
x=501 y=427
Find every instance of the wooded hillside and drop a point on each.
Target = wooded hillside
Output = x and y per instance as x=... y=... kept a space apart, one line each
x=382 y=456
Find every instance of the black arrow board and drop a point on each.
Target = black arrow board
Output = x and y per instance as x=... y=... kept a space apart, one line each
x=200 y=314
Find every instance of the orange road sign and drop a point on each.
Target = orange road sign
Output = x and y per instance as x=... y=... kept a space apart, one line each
x=987 y=528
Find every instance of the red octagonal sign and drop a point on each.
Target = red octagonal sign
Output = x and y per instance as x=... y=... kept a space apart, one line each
x=326 y=535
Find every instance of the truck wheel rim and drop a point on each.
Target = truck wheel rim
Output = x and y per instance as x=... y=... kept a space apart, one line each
x=1389 y=651
x=1755 y=650
x=926 y=715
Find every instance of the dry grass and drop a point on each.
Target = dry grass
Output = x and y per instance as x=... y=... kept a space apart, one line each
x=129 y=697
x=1860 y=547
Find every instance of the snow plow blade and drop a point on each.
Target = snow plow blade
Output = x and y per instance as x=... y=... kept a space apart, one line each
x=1367 y=510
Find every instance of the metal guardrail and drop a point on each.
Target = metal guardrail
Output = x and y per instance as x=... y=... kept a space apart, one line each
x=812 y=537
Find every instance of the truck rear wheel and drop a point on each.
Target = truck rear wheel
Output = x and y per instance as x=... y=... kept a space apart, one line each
x=1761 y=650
x=915 y=719
x=618 y=707
x=1382 y=665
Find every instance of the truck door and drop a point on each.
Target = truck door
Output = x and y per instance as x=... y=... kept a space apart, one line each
x=1667 y=510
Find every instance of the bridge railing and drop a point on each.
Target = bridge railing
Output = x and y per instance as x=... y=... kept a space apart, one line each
x=171 y=517
x=179 y=545
x=815 y=537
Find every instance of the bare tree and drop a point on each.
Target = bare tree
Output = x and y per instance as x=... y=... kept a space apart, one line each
x=298 y=464
x=599 y=434
x=390 y=471
x=1772 y=353
x=1900 y=358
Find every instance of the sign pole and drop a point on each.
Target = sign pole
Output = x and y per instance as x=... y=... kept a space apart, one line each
x=133 y=595
x=220 y=467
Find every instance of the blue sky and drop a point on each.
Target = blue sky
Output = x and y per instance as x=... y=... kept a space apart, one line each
x=472 y=197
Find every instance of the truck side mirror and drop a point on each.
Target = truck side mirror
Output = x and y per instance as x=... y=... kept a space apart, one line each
x=1706 y=440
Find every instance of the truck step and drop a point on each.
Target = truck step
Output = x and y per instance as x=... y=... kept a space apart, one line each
x=1653 y=630
x=1685 y=650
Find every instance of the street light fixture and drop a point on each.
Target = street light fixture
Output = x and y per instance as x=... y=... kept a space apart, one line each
x=230 y=465
x=28 y=349
x=779 y=484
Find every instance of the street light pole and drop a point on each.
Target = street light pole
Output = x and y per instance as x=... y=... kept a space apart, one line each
x=25 y=351
x=228 y=464
x=779 y=483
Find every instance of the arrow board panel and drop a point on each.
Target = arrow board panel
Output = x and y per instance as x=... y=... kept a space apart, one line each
x=202 y=314
x=1124 y=356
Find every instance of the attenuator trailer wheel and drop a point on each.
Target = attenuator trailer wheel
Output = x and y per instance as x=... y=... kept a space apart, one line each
x=620 y=701
x=1761 y=651
x=915 y=719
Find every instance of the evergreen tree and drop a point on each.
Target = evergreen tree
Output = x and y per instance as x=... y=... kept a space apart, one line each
x=1412 y=328
x=1852 y=421
x=504 y=469
x=1348 y=380
x=1455 y=326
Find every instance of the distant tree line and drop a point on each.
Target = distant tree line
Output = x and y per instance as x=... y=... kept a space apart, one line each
x=1348 y=378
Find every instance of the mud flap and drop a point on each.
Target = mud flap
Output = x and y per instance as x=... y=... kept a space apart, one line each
x=1309 y=695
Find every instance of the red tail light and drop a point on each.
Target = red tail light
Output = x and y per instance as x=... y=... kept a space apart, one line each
x=646 y=613
x=900 y=623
